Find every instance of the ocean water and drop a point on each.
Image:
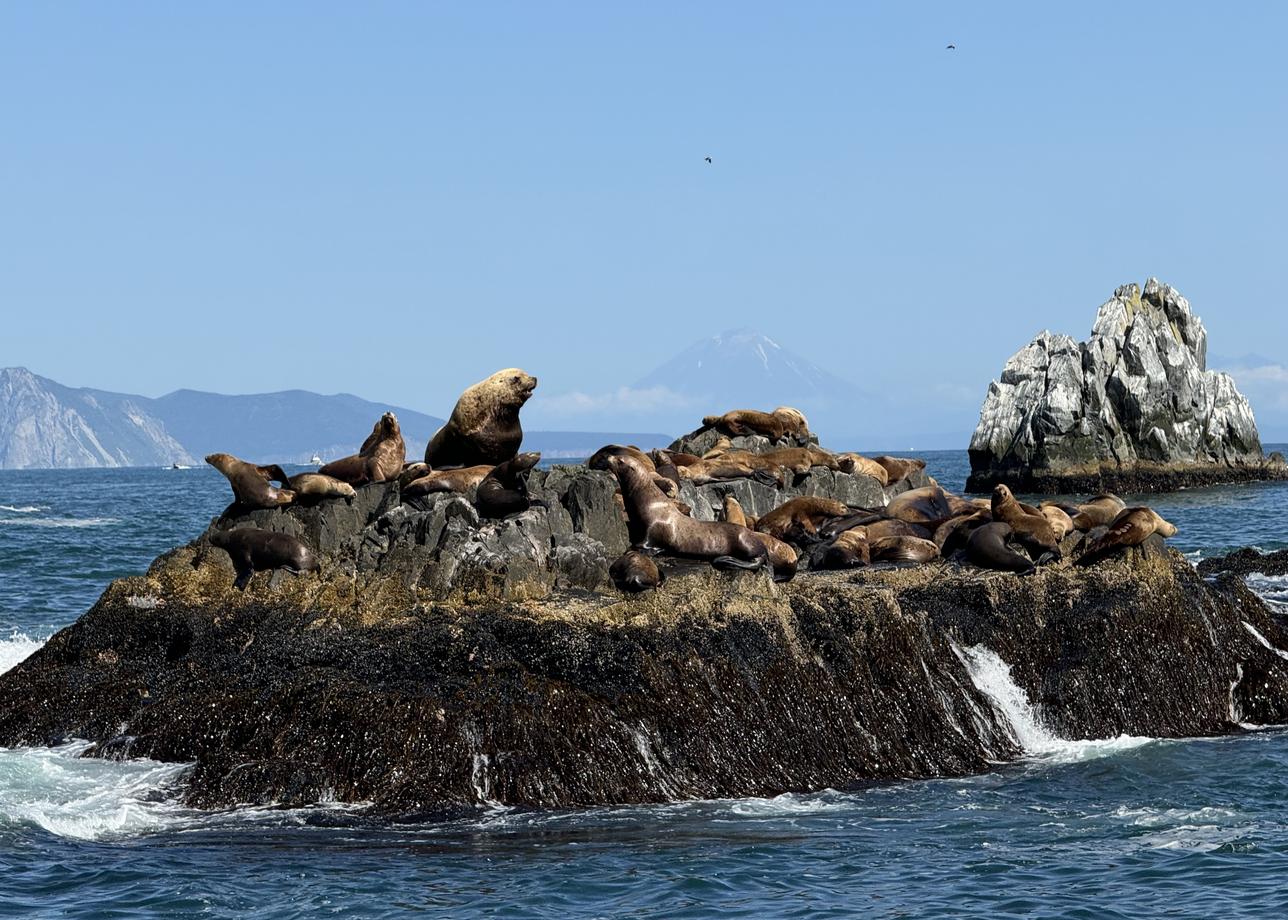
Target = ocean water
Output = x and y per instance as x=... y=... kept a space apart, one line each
x=1117 y=827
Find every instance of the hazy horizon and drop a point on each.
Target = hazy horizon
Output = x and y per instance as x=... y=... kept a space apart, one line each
x=395 y=201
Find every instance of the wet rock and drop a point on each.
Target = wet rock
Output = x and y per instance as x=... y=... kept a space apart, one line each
x=1246 y=561
x=1132 y=409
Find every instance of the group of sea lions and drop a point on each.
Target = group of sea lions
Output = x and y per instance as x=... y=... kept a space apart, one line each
x=477 y=451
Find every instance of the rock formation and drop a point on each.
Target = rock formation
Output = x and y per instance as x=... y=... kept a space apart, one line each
x=1132 y=409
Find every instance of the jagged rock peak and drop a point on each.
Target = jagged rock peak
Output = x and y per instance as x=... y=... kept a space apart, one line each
x=1133 y=408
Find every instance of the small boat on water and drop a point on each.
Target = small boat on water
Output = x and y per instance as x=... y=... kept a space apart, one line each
x=316 y=459
x=180 y=466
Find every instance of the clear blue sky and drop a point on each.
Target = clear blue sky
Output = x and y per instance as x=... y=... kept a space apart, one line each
x=396 y=199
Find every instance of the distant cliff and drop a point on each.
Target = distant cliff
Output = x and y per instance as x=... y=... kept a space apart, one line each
x=44 y=424
x=1134 y=408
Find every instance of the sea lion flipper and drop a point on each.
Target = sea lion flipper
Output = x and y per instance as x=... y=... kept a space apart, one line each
x=732 y=562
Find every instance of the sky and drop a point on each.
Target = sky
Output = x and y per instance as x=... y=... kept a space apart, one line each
x=395 y=200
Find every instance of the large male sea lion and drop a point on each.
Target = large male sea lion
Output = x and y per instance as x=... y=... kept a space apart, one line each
x=633 y=572
x=255 y=550
x=251 y=483
x=505 y=490
x=380 y=458
x=1132 y=527
x=928 y=506
x=484 y=427
x=654 y=521
x=987 y=548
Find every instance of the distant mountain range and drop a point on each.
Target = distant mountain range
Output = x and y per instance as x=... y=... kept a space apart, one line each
x=44 y=424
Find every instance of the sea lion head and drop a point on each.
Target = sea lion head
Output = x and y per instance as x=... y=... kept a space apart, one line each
x=1002 y=495
x=524 y=462
x=389 y=425
x=793 y=420
x=222 y=462
x=1163 y=527
x=512 y=385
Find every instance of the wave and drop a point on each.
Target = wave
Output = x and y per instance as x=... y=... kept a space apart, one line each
x=24 y=509
x=59 y=522
x=16 y=649
x=992 y=677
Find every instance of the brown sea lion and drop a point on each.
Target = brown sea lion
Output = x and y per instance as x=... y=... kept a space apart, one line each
x=734 y=514
x=677 y=457
x=803 y=459
x=504 y=490
x=380 y=458
x=1099 y=512
x=654 y=521
x=250 y=482
x=319 y=486
x=848 y=550
x=1131 y=527
x=255 y=550
x=900 y=467
x=902 y=549
x=1033 y=531
x=718 y=449
x=484 y=427
x=800 y=518
x=891 y=527
x=782 y=556
x=987 y=548
x=859 y=464
x=927 y=505
x=411 y=472
x=597 y=460
x=774 y=425
x=633 y=572
x=665 y=466
x=954 y=532
x=1058 y=518
x=738 y=465
x=461 y=479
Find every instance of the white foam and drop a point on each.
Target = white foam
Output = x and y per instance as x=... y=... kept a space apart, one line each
x=790 y=803
x=59 y=522
x=1263 y=640
x=86 y=798
x=992 y=677
x=24 y=509
x=16 y=649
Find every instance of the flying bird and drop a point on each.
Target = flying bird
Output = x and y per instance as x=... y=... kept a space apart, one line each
x=951 y=48
x=708 y=159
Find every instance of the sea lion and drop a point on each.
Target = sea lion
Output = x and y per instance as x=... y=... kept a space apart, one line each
x=411 y=472
x=654 y=521
x=902 y=549
x=928 y=506
x=461 y=479
x=1033 y=531
x=633 y=572
x=319 y=486
x=251 y=485
x=734 y=514
x=803 y=459
x=718 y=449
x=666 y=468
x=255 y=550
x=1058 y=518
x=1131 y=527
x=782 y=556
x=899 y=467
x=848 y=550
x=799 y=519
x=381 y=456
x=954 y=532
x=866 y=466
x=484 y=427
x=504 y=490
x=1099 y=512
x=774 y=425
x=737 y=465
x=677 y=457
x=597 y=460
x=987 y=548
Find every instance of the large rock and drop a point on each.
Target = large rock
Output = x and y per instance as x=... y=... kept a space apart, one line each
x=1132 y=409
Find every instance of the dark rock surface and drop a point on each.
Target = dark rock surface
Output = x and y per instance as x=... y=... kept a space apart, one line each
x=1132 y=409
x=1246 y=561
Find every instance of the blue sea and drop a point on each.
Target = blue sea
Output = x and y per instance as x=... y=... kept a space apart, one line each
x=1129 y=827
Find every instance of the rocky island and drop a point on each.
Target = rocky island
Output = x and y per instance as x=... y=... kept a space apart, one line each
x=439 y=660
x=1132 y=409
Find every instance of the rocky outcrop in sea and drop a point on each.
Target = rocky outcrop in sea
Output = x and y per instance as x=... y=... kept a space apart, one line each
x=439 y=661
x=1132 y=409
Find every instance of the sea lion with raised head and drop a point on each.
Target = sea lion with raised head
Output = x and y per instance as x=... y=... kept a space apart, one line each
x=633 y=572
x=734 y=514
x=654 y=521
x=251 y=484
x=504 y=490
x=799 y=519
x=254 y=550
x=987 y=548
x=1131 y=527
x=1098 y=512
x=380 y=458
x=318 y=486
x=1033 y=531
x=484 y=427
x=461 y=479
